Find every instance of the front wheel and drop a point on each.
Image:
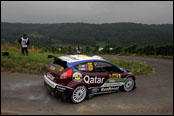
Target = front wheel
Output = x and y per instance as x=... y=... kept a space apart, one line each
x=129 y=84
x=79 y=94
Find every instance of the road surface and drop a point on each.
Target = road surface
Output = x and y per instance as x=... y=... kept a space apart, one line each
x=26 y=94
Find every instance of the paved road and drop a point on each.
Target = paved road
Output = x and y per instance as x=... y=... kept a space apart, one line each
x=25 y=94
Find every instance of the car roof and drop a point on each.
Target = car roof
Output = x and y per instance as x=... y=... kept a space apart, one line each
x=77 y=58
x=73 y=60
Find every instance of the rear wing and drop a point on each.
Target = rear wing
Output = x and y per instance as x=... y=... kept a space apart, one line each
x=58 y=61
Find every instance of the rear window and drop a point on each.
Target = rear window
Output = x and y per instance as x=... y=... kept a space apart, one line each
x=56 y=67
x=87 y=67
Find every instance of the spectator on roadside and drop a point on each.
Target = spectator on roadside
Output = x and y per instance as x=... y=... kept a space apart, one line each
x=78 y=49
x=24 y=41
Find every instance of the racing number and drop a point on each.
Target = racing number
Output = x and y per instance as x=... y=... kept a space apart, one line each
x=90 y=66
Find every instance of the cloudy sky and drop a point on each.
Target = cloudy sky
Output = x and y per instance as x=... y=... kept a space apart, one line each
x=147 y=12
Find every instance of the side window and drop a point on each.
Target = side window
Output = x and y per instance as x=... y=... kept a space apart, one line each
x=105 y=67
x=100 y=66
x=86 y=67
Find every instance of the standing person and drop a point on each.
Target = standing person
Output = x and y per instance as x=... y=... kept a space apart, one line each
x=24 y=41
x=78 y=49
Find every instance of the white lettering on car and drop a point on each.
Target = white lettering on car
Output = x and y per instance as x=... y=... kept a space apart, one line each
x=93 y=80
x=109 y=89
x=112 y=84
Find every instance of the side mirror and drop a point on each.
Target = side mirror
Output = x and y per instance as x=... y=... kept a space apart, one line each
x=111 y=72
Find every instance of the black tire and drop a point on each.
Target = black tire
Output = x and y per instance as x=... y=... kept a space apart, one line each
x=129 y=85
x=79 y=94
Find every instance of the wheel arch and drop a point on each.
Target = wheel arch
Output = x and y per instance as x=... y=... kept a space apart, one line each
x=130 y=76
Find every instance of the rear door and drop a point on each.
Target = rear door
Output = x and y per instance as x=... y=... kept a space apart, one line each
x=90 y=77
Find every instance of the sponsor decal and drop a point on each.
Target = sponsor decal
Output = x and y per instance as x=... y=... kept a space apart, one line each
x=86 y=67
x=83 y=67
x=52 y=67
x=93 y=80
x=50 y=76
x=77 y=76
x=112 y=84
x=121 y=80
x=60 y=88
x=95 y=90
x=109 y=89
x=61 y=69
x=114 y=80
x=84 y=56
x=115 y=76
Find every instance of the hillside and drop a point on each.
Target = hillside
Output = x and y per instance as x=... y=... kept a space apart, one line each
x=89 y=34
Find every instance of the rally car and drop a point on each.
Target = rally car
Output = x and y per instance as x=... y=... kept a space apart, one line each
x=79 y=76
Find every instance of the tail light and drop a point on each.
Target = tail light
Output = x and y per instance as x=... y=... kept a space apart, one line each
x=66 y=75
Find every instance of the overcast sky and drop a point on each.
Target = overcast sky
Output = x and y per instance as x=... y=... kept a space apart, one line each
x=147 y=12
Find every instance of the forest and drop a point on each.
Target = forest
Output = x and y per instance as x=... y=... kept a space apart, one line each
x=73 y=34
x=150 y=49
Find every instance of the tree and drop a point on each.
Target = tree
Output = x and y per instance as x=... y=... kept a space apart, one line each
x=95 y=51
x=66 y=33
x=130 y=49
x=106 y=49
x=165 y=50
x=140 y=50
x=69 y=49
x=118 y=49
x=149 y=49
x=87 y=49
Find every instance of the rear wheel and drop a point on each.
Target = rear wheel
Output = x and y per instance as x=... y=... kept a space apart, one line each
x=79 y=94
x=129 y=84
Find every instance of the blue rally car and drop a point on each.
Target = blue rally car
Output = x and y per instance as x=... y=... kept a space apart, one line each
x=79 y=76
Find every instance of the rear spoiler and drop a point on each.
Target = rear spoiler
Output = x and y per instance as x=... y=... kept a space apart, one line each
x=58 y=61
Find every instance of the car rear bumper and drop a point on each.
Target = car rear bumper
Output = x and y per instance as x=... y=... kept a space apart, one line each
x=56 y=88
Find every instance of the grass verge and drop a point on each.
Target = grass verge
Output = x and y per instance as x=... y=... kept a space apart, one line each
x=36 y=62
x=137 y=68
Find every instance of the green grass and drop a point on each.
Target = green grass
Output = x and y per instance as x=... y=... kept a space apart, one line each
x=36 y=62
x=137 y=68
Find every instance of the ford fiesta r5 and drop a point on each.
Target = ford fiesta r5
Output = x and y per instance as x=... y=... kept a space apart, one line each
x=78 y=76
